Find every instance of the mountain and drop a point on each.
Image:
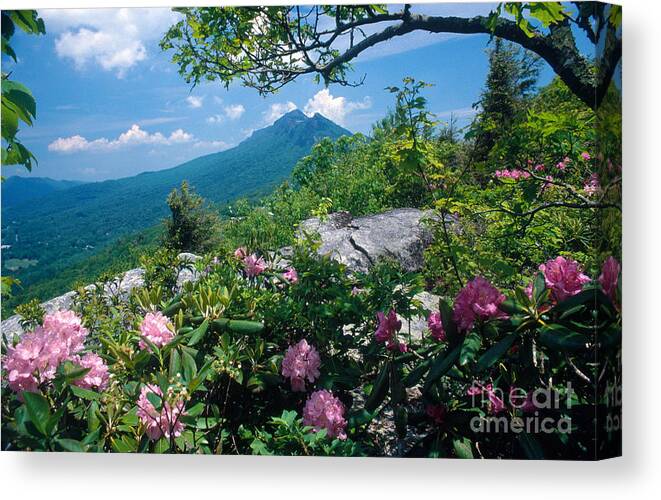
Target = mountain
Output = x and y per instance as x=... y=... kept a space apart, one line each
x=45 y=238
x=17 y=190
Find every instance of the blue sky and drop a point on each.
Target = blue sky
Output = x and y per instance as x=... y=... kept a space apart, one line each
x=111 y=104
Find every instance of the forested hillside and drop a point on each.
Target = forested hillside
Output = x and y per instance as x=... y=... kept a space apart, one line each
x=18 y=190
x=65 y=228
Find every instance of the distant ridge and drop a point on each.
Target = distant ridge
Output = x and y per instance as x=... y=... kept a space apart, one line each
x=18 y=189
x=67 y=225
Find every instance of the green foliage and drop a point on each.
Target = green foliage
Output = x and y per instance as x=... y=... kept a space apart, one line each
x=192 y=226
x=18 y=103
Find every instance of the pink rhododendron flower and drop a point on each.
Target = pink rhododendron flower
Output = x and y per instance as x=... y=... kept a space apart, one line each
x=592 y=185
x=34 y=360
x=291 y=275
x=240 y=253
x=167 y=422
x=393 y=345
x=563 y=277
x=539 y=167
x=436 y=326
x=496 y=404
x=585 y=155
x=68 y=334
x=157 y=329
x=437 y=413
x=254 y=265
x=529 y=405
x=610 y=274
x=325 y=411
x=561 y=165
x=388 y=326
x=97 y=377
x=301 y=362
x=479 y=299
x=515 y=174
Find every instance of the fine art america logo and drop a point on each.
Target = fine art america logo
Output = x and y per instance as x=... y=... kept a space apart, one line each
x=520 y=410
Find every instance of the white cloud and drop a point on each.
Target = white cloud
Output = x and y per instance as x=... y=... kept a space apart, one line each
x=215 y=145
x=234 y=111
x=132 y=137
x=334 y=108
x=194 y=101
x=214 y=119
x=114 y=39
x=276 y=110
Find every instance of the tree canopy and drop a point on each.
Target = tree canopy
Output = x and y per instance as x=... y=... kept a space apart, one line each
x=268 y=47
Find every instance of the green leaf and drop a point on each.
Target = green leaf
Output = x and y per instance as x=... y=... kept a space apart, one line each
x=463 y=448
x=495 y=352
x=414 y=376
x=155 y=400
x=38 y=410
x=175 y=363
x=511 y=306
x=71 y=445
x=379 y=389
x=441 y=365
x=538 y=288
x=470 y=348
x=446 y=319
x=199 y=333
x=189 y=365
x=85 y=393
x=245 y=327
x=560 y=338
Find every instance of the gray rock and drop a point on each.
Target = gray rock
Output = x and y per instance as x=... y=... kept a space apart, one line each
x=120 y=288
x=358 y=243
x=417 y=325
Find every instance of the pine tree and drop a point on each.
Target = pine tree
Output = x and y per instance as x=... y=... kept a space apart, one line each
x=511 y=80
x=193 y=226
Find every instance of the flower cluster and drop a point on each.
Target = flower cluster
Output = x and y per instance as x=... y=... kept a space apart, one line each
x=586 y=156
x=563 y=277
x=157 y=329
x=97 y=376
x=325 y=411
x=495 y=403
x=592 y=185
x=387 y=329
x=436 y=326
x=610 y=274
x=291 y=275
x=301 y=362
x=562 y=165
x=479 y=299
x=166 y=422
x=254 y=265
x=515 y=174
x=34 y=360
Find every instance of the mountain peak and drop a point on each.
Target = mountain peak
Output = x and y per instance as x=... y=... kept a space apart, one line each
x=294 y=116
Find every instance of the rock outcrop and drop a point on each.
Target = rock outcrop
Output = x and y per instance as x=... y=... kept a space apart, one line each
x=398 y=234
x=357 y=242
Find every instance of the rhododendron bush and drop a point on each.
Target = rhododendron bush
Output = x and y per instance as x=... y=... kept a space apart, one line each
x=259 y=363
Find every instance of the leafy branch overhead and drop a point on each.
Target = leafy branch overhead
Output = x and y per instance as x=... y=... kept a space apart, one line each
x=268 y=47
x=18 y=104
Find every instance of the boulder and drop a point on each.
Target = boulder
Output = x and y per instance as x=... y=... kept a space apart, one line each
x=360 y=242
